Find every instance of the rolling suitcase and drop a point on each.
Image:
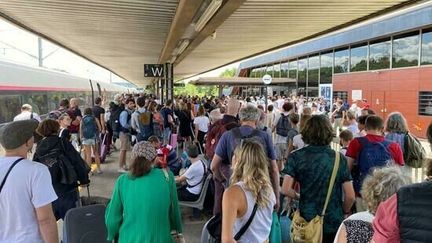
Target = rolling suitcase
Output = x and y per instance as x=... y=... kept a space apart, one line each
x=92 y=200
x=103 y=151
x=85 y=225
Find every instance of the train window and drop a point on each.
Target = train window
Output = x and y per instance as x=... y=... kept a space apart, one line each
x=10 y=106
x=426 y=49
x=38 y=101
x=425 y=103
x=276 y=70
x=406 y=50
x=326 y=68
x=379 y=55
x=313 y=75
x=292 y=73
x=358 y=58
x=284 y=70
x=302 y=74
x=341 y=61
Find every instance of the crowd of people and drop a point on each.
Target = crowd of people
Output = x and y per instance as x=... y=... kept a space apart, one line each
x=263 y=160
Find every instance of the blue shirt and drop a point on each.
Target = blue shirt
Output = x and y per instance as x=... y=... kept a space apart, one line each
x=124 y=119
x=227 y=144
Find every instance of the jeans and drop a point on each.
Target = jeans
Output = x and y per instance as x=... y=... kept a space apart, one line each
x=166 y=135
x=64 y=203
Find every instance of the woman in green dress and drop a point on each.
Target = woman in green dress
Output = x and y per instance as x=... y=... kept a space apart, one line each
x=144 y=205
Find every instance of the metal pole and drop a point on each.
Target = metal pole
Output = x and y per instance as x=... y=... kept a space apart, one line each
x=265 y=98
x=40 y=57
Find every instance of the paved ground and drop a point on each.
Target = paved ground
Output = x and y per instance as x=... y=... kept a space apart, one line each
x=102 y=185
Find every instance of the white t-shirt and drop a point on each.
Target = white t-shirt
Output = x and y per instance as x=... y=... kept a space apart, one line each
x=298 y=141
x=194 y=175
x=26 y=115
x=27 y=187
x=203 y=123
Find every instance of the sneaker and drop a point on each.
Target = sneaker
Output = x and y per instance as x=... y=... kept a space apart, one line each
x=122 y=170
x=99 y=171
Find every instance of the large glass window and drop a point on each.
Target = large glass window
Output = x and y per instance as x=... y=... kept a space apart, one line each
x=313 y=73
x=284 y=70
x=379 y=55
x=276 y=70
x=302 y=73
x=341 y=61
x=326 y=68
x=358 y=58
x=269 y=70
x=252 y=73
x=426 y=51
x=292 y=73
x=405 y=50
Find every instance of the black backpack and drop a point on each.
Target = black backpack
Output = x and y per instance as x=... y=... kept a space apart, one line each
x=115 y=120
x=239 y=138
x=283 y=126
x=59 y=165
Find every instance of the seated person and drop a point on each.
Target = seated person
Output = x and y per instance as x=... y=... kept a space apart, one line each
x=194 y=176
x=172 y=159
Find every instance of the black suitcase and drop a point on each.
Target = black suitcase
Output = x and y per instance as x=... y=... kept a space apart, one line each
x=92 y=200
x=85 y=225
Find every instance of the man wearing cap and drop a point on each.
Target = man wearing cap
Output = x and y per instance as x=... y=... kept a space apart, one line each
x=27 y=114
x=26 y=191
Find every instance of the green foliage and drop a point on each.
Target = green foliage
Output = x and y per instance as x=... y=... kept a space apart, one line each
x=194 y=90
x=227 y=73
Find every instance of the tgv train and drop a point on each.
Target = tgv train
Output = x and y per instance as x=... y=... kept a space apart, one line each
x=43 y=89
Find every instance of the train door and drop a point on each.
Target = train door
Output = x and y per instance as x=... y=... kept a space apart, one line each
x=378 y=103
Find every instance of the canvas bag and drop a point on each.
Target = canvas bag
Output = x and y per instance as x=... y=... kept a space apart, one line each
x=312 y=231
x=414 y=153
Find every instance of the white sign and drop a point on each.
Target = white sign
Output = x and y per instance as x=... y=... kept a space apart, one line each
x=267 y=79
x=326 y=92
x=356 y=94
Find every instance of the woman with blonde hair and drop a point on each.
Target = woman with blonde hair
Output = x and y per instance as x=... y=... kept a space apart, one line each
x=249 y=196
x=377 y=188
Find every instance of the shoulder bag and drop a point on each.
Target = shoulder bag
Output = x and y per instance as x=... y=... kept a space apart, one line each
x=312 y=231
x=8 y=172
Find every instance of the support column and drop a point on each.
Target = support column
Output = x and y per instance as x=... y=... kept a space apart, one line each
x=220 y=90
x=40 y=52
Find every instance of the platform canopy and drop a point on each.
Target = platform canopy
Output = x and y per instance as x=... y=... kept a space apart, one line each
x=238 y=81
x=197 y=35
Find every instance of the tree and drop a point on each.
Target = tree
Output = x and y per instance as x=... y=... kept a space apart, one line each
x=228 y=73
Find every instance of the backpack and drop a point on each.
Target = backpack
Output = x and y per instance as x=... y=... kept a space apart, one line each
x=372 y=154
x=213 y=136
x=239 y=138
x=89 y=127
x=115 y=120
x=414 y=153
x=145 y=122
x=59 y=165
x=283 y=126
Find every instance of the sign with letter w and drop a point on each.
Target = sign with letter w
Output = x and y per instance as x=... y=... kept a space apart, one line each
x=153 y=70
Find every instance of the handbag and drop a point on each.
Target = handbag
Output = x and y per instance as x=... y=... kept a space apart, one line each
x=312 y=231
x=275 y=231
x=214 y=226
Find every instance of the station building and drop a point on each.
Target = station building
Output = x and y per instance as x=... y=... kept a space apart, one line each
x=386 y=61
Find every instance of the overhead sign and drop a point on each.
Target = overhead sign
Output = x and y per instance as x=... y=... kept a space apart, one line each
x=153 y=70
x=267 y=79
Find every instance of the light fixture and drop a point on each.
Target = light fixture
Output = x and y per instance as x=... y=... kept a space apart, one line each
x=208 y=14
x=181 y=47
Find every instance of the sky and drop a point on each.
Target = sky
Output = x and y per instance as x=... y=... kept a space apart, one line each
x=20 y=46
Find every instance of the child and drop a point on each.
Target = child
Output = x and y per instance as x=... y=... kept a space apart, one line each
x=345 y=138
